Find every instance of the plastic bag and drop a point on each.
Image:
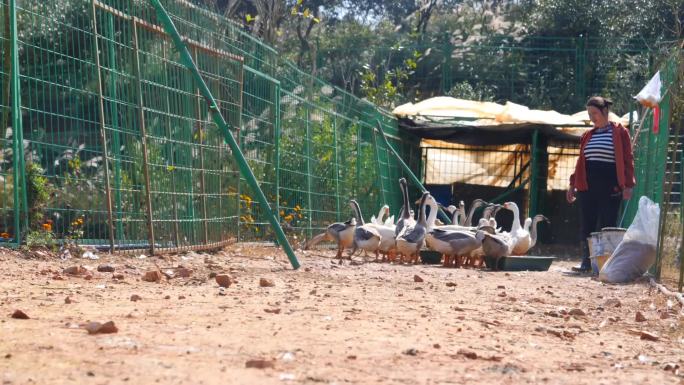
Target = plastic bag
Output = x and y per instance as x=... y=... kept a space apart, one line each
x=637 y=251
x=649 y=96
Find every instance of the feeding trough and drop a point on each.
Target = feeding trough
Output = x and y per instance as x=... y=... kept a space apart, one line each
x=520 y=263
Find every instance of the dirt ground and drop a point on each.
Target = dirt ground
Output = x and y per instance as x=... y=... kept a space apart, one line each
x=358 y=323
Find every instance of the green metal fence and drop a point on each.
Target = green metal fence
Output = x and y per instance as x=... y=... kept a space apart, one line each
x=121 y=150
x=658 y=156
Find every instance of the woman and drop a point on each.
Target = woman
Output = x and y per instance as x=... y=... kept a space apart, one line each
x=604 y=173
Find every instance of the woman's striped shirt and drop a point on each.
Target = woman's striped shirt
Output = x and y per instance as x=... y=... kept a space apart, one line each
x=600 y=147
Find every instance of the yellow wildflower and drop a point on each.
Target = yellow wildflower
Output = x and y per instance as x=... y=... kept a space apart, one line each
x=289 y=217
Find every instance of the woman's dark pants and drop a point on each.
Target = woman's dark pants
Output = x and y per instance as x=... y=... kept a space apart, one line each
x=600 y=204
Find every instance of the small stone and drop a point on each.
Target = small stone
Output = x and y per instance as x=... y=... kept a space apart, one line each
x=351 y=357
x=18 y=314
x=451 y=284
x=417 y=278
x=212 y=274
x=436 y=346
x=577 y=312
x=152 y=276
x=118 y=276
x=88 y=277
x=223 y=280
x=181 y=297
x=184 y=272
x=68 y=300
x=501 y=287
x=259 y=364
x=649 y=336
x=135 y=298
x=670 y=367
x=664 y=315
x=104 y=268
x=98 y=328
x=74 y=270
x=265 y=282
x=411 y=352
x=502 y=294
x=272 y=311
x=639 y=317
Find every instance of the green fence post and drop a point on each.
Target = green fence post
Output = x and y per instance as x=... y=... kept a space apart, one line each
x=379 y=167
x=143 y=137
x=218 y=119
x=115 y=134
x=276 y=142
x=20 y=200
x=103 y=131
x=307 y=150
x=534 y=174
x=408 y=171
x=337 y=170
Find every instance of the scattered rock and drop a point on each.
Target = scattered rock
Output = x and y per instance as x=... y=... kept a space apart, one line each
x=181 y=297
x=671 y=367
x=184 y=272
x=411 y=351
x=613 y=302
x=265 y=282
x=501 y=287
x=152 y=276
x=639 y=317
x=502 y=294
x=88 y=277
x=68 y=300
x=467 y=354
x=18 y=314
x=451 y=284
x=118 y=276
x=135 y=298
x=649 y=336
x=436 y=346
x=351 y=357
x=212 y=275
x=104 y=268
x=272 y=311
x=74 y=270
x=664 y=314
x=417 y=278
x=577 y=312
x=98 y=328
x=223 y=280
x=259 y=364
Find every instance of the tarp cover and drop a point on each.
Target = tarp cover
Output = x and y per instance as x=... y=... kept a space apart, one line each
x=486 y=123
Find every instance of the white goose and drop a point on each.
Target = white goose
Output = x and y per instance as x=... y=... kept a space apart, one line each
x=384 y=210
x=521 y=236
x=531 y=227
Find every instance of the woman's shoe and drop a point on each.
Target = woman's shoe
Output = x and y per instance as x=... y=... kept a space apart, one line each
x=585 y=267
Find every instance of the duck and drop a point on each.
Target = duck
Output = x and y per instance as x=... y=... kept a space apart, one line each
x=341 y=233
x=453 y=244
x=366 y=236
x=412 y=238
x=476 y=204
x=406 y=214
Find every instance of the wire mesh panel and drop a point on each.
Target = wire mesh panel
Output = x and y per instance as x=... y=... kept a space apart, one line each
x=122 y=153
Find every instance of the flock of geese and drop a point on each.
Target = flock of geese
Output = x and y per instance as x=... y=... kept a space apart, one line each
x=461 y=243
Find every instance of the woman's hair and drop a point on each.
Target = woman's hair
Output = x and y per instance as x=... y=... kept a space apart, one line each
x=599 y=102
